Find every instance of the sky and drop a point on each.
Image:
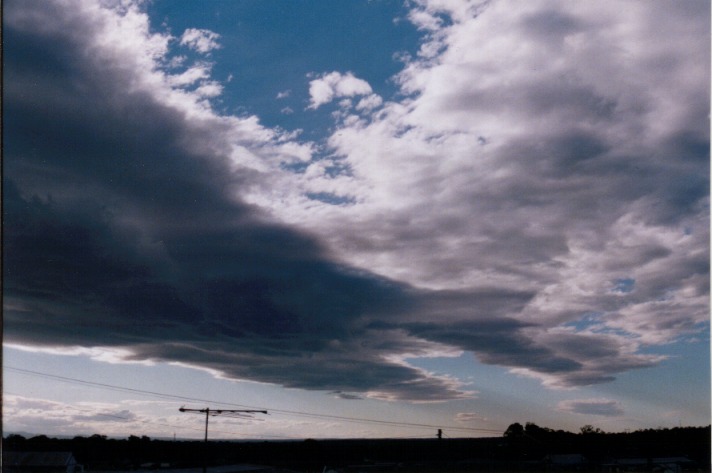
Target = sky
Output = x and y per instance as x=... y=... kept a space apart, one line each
x=369 y=218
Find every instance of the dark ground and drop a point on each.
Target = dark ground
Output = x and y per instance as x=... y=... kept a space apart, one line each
x=523 y=448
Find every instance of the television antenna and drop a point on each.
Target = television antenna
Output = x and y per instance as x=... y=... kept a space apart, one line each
x=219 y=412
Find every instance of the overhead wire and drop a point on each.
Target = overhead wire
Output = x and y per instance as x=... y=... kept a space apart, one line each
x=209 y=401
x=114 y=416
x=158 y=423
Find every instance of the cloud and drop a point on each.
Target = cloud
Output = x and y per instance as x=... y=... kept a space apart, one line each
x=467 y=417
x=336 y=85
x=510 y=165
x=200 y=40
x=111 y=416
x=348 y=396
x=492 y=204
x=24 y=414
x=369 y=102
x=597 y=407
x=191 y=75
x=135 y=230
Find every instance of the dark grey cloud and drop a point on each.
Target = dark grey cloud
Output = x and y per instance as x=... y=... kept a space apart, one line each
x=551 y=24
x=542 y=96
x=348 y=396
x=597 y=407
x=125 y=225
x=498 y=342
x=122 y=229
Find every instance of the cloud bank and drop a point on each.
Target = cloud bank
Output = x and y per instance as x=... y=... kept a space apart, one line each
x=537 y=194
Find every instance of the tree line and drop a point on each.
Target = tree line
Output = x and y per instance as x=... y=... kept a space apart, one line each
x=530 y=440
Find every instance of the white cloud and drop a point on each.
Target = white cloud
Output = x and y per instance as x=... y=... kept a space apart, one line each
x=335 y=85
x=190 y=76
x=209 y=89
x=511 y=164
x=200 y=40
x=467 y=417
x=369 y=102
x=36 y=415
x=111 y=355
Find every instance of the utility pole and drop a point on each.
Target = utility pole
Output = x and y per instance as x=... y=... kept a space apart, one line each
x=216 y=412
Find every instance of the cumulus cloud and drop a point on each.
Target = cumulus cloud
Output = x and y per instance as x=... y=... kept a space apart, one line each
x=536 y=157
x=333 y=85
x=597 y=407
x=200 y=40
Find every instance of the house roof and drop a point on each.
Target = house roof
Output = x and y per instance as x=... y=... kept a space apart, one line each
x=15 y=459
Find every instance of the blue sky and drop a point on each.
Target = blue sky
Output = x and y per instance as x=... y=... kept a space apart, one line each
x=370 y=218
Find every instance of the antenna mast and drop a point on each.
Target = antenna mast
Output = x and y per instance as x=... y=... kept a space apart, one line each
x=216 y=412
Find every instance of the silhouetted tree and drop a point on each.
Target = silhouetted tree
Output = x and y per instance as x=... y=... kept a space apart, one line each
x=589 y=429
x=514 y=430
x=533 y=430
x=15 y=442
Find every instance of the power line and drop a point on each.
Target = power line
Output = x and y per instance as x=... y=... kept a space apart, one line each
x=110 y=387
x=114 y=416
x=282 y=411
x=209 y=401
